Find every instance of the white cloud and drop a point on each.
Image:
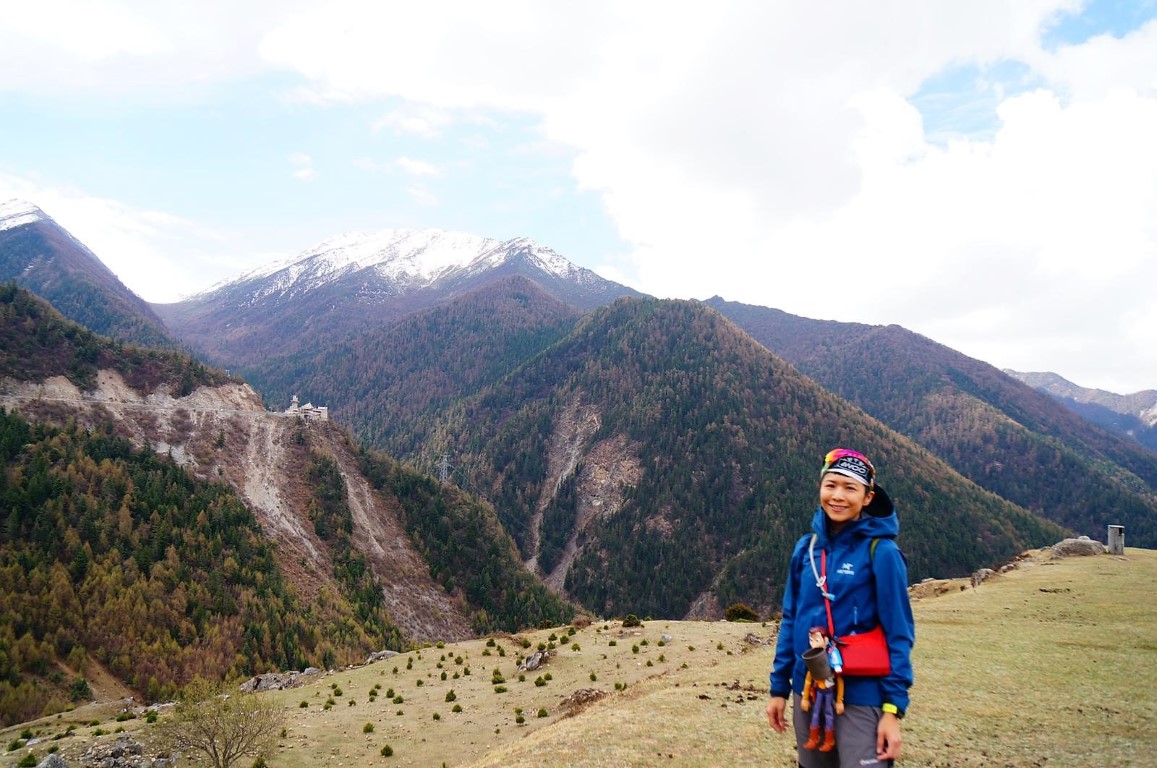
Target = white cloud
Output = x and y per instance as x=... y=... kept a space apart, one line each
x=775 y=142
x=302 y=166
x=89 y=31
x=414 y=167
x=1090 y=70
x=416 y=119
x=422 y=196
x=125 y=46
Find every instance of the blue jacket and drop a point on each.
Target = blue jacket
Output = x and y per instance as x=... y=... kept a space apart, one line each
x=869 y=589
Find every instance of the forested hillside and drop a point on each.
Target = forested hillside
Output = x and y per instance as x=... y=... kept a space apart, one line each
x=117 y=555
x=468 y=551
x=38 y=343
x=45 y=259
x=727 y=441
x=388 y=384
x=998 y=432
x=251 y=544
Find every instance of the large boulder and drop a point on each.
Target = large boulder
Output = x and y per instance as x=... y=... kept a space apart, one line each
x=1078 y=547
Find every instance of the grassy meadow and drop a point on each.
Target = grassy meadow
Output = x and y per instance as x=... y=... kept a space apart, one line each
x=1053 y=664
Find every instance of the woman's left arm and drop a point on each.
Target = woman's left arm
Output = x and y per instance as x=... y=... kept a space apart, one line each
x=895 y=611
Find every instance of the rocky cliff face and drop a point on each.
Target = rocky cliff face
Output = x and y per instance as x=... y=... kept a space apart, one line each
x=224 y=434
x=601 y=470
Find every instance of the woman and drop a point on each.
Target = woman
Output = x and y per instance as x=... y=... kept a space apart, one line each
x=851 y=566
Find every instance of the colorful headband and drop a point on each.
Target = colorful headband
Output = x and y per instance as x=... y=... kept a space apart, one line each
x=851 y=464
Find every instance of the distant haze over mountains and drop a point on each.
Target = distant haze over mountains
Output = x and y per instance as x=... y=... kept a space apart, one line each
x=1141 y=404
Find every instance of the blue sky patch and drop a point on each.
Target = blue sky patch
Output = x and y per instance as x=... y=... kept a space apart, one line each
x=961 y=102
x=1099 y=17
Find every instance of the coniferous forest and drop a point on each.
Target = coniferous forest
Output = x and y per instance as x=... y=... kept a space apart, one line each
x=727 y=438
x=117 y=555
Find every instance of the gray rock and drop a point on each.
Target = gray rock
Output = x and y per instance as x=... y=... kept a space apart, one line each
x=52 y=761
x=981 y=576
x=1078 y=547
x=275 y=681
x=533 y=661
x=123 y=752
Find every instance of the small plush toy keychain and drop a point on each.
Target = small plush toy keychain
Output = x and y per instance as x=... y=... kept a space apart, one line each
x=823 y=689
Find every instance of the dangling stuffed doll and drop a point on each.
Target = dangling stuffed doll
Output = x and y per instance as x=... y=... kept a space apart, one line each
x=823 y=689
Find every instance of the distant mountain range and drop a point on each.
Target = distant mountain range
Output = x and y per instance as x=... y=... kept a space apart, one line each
x=526 y=440
x=359 y=281
x=651 y=455
x=993 y=429
x=1134 y=415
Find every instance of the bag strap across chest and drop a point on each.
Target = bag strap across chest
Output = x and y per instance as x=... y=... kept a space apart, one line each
x=822 y=577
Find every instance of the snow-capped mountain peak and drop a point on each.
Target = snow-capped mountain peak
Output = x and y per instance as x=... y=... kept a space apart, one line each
x=404 y=258
x=17 y=213
x=407 y=255
x=399 y=253
x=544 y=258
x=408 y=267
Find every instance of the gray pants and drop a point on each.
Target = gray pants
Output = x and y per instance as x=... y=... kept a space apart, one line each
x=855 y=739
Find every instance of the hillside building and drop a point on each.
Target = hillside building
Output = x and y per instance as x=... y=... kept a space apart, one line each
x=308 y=411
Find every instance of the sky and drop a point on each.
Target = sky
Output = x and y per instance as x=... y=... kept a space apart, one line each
x=983 y=173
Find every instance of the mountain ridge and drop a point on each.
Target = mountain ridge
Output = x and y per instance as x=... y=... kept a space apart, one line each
x=1133 y=415
x=365 y=554
x=38 y=254
x=359 y=281
x=710 y=441
x=991 y=427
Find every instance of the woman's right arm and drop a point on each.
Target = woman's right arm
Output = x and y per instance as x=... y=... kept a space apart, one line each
x=784 y=662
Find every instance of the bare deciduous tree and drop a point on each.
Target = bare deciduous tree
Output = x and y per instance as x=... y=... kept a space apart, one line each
x=221 y=727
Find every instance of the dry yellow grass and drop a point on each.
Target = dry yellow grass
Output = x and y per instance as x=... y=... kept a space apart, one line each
x=1050 y=665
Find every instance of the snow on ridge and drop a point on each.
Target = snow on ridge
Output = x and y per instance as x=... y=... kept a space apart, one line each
x=16 y=213
x=401 y=255
x=409 y=257
x=394 y=253
x=545 y=258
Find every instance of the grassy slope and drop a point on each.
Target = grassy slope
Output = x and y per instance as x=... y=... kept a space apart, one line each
x=1048 y=665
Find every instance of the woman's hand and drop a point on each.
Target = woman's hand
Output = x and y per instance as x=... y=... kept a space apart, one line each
x=888 y=738
x=775 y=713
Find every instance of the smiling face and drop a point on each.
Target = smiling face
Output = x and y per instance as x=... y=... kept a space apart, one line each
x=843 y=498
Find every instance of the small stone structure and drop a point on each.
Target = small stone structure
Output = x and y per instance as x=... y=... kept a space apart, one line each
x=1116 y=539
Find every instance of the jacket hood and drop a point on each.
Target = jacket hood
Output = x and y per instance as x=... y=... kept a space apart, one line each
x=877 y=521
